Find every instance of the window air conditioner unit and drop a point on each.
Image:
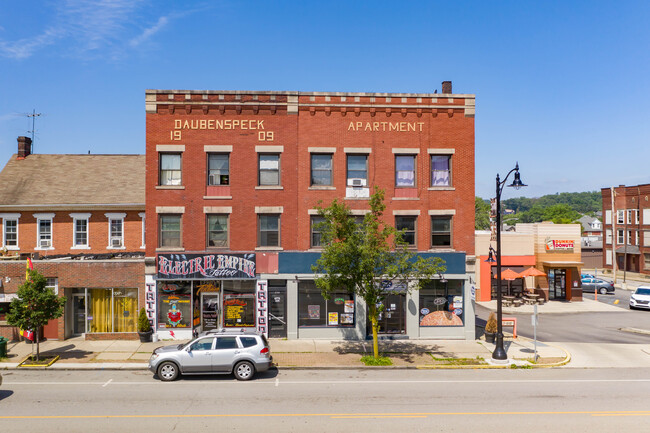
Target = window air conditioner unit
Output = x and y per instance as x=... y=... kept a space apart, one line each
x=45 y=243
x=356 y=182
x=214 y=179
x=116 y=242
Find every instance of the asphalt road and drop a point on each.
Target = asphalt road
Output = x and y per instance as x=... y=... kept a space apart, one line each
x=598 y=327
x=603 y=400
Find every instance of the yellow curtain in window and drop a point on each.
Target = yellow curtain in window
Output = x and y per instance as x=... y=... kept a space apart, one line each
x=100 y=310
x=125 y=309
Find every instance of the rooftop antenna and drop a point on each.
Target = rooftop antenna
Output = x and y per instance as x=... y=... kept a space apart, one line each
x=34 y=115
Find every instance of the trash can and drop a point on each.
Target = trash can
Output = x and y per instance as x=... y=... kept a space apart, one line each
x=3 y=347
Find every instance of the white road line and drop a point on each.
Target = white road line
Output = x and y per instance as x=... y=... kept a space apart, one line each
x=277 y=382
x=109 y=381
x=334 y=382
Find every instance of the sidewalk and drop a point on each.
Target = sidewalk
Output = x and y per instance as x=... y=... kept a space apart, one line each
x=554 y=307
x=79 y=354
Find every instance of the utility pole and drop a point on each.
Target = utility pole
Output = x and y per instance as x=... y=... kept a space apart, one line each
x=34 y=115
x=614 y=234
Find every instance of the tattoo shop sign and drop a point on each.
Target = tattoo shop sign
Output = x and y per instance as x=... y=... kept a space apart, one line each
x=201 y=266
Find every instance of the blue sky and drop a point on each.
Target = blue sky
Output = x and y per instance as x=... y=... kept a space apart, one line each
x=562 y=87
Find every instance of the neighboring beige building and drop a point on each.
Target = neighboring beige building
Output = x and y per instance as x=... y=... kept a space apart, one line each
x=554 y=249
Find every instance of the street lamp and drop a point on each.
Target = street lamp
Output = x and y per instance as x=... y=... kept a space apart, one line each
x=499 y=352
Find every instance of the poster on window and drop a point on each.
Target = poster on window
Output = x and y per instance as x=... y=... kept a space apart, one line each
x=313 y=311
x=333 y=319
x=210 y=311
x=347 y=319
x=349 y=307
x=174 y=305
x=239 y=310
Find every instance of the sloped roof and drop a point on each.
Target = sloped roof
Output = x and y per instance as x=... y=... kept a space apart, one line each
x=73 y=180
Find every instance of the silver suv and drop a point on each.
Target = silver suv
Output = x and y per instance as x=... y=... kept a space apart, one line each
x=240 y=352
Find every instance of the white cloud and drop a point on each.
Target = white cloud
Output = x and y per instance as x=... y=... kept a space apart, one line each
x=147 y=33
x=88 y=27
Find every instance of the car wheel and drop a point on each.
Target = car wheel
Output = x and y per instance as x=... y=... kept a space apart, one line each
x=631 y=307
x=244 y=370
x=603 y=291
x=168 y=371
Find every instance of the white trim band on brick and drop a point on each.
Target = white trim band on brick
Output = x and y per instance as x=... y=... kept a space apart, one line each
x=80 y=216
x=217 y=148
x=269 y=209
x=441 y=151
x=321 y=149
x=116 y=215
x=10 y=216
x=442 y=211
x=406 y=212
x=217 y=209
x=170 y=148
x=269 y=149
x=359 y=211
x=43 y=216
x=405 y=150
x=170 y=209
x=365 y=150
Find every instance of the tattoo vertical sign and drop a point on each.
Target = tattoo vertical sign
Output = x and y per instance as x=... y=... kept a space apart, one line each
x=262 y=305
x=150 y=299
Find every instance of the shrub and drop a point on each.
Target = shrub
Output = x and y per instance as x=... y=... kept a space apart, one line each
x=491 y=325
x=143 y=322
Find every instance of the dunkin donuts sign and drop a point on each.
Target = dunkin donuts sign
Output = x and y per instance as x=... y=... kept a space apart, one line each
x=559 y=245
x=202 y=266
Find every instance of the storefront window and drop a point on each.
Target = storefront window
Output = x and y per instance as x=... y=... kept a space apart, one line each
x=316 y=311
x=238 y=303
x=112 y=310
x=174 y=304
x=442 y=304
x=4 y=309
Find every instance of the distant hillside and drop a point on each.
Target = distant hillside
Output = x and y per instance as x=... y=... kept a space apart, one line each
x=582 y=202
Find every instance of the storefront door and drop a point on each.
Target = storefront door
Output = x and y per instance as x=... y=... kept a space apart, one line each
x=78 y=313
x=277 y=313
x=392 y=319
x=557 y=288
x=209 y=311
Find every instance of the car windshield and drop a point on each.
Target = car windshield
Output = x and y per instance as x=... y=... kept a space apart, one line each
x=643 y=291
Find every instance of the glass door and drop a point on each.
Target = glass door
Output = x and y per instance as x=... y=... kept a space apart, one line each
x=392 y=319
x=79 y=313
x=277 y=313
x=209 y=311
x=558 y=285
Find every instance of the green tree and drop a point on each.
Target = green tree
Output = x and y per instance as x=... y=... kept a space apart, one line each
x=34 y=306
x=561 y=214
x=358 y=257
x=481 y=214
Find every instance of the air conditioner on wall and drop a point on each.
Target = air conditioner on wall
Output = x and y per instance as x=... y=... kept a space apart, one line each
x=116 y=242
x=356 y=182
x=45 y=243
x=214 y=179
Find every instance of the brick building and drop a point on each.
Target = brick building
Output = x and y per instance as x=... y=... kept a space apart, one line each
x=81 y=220
x=626 y=211
x=233 y=180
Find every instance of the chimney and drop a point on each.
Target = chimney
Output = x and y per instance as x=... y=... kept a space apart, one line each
x=24 y=147
x=446 y=87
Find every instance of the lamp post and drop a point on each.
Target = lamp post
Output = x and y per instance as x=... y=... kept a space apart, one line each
x=499 y=352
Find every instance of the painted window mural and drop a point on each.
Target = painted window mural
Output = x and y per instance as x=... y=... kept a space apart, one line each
x=174 y=304
x=441 y=304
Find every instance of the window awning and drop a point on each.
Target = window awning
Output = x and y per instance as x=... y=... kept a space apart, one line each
x=631 y=249
x=562 y=264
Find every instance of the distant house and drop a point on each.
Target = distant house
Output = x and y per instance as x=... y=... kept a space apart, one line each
x=80 y=220
x=591 y=227
x=592 y=242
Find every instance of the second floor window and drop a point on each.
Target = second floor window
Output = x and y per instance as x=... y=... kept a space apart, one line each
x=405 y=171
x=10 y=233
x=170 y=231
x=321 y=169
x=440 y=231
x=440 y=170
x=316 y=231
x=217 y=231
x=170 y=169
x=45 y=233
x=80 y=232
x=116 y=232
x=218 y=169
x=269 y=231
x=407 y=224
x=269 y=169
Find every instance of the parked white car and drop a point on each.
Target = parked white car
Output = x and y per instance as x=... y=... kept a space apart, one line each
x=640 y=298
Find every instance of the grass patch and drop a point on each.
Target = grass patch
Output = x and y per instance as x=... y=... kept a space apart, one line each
x=371 y=360
x=459 y=361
